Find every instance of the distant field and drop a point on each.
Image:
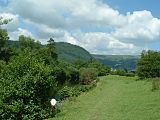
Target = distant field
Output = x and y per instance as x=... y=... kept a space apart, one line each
x=115 y=98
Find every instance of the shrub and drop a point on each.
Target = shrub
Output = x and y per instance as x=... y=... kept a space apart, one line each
x=148 y=66
x=59 y=74
x=28 y=86
x=73 y=75
x=130 y=74
x=155 y=84
x=120 y=72
x=87 y=75
x=64 y=93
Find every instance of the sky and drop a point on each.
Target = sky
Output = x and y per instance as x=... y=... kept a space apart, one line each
x=116 y=27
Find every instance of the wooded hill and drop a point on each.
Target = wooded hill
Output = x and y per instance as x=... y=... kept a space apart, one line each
x=118 y=61
x=66 y=52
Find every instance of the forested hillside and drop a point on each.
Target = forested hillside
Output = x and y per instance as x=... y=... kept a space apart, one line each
x=66 y=51
x=70 y=53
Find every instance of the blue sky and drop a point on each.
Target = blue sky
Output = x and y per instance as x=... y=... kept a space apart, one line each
x=100 y=26
x=125 y=6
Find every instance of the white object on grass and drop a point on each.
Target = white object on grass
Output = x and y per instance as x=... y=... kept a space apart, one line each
x=53 y=102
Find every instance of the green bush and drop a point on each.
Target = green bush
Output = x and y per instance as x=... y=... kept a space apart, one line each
x=155 y=84
x=28 y=86
x=148 y=66
x=65 y=92
x=130 y=74
x=74 y=91
x=59 y=74
x=87 y=75
x=73 y=75
x=120 y=72
x=85 y=88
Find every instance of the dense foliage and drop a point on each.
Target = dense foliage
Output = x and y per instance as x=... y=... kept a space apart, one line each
x=71 y=53
x=31 y=75
x=65 y=51
x=148 y=66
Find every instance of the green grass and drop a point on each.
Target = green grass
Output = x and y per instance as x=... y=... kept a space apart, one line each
x=115 y=98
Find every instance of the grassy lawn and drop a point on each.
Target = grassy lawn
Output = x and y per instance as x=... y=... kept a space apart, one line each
x=115 y=98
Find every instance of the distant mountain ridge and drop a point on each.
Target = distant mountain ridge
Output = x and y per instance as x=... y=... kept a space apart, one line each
x=118 y=61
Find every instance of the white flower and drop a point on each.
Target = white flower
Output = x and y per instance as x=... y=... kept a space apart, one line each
x=53 y=102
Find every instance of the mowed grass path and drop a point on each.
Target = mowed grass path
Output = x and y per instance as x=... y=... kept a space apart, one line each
x=115 y=98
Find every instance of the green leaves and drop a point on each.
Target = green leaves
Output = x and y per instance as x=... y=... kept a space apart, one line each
x=27 y=82
x=148 y=66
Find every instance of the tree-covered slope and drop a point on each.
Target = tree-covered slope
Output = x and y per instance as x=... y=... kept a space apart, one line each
x=66 y=51
x=69 y=52
x=118 y=61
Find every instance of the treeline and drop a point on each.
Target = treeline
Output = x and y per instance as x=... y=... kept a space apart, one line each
x=123 y=72
x=31 y=75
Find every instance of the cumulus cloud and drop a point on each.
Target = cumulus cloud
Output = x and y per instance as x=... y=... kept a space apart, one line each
x=141 y=27
x=67 y=13
x=15 y=35
x=102 y=43
x=66 y=19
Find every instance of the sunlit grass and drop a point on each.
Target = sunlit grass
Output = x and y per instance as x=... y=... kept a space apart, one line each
x=115 y=98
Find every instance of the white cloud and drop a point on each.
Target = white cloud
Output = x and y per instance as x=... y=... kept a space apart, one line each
x=15 y=35
x=141 y=27
x=102 y=43
x=64 y=20
x=67 y=13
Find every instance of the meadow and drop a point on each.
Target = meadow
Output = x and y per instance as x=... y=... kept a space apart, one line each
x=114 y=98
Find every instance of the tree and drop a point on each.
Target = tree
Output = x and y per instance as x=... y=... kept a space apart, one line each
x=102 y=70
x=148 y=66
x=26 y=42
x=5 y=51
x=51 y=48
x=3 y=38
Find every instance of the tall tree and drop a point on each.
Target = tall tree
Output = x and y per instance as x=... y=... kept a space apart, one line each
x=5 y=51
x=26 y=42
x=51 y=48
x=3 y=38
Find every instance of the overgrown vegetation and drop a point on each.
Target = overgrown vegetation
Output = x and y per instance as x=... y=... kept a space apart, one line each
x=31 y=75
